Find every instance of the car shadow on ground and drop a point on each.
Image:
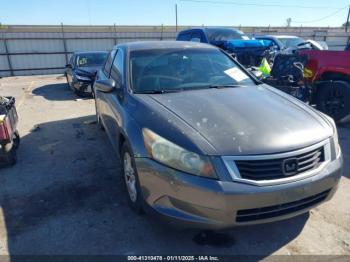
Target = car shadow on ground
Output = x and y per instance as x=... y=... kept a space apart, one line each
x=66 y=196
x=344 y=140
x=56 y=92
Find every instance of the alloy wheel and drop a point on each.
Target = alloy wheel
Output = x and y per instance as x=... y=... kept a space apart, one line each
x=129 y=176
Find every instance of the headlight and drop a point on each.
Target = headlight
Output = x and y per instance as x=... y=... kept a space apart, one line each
x=336 y=142
x=82 y=78
x=176 y=157
x=335 y=137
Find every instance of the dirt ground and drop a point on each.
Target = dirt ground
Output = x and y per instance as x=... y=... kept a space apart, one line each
x=65 y=194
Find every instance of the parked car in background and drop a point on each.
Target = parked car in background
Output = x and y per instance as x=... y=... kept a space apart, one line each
x=248 y=52
x=204 y=144
x=9 y=136
x=291 y=43
x=329 y=77
x=82 y=69
x=215 y=36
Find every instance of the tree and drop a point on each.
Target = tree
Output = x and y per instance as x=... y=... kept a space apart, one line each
x=289 y=21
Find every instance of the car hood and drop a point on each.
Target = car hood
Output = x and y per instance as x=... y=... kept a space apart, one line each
x=246 y=120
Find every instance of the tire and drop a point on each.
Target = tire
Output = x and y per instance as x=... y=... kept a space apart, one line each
x=16 y=140
x=9 y=154
x=98 y=118
x=79 y=93
x=333 y=99
x=68 y=81
x=135 y=198
x=99 y=123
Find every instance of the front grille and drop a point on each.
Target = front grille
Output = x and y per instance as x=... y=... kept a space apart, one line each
x=248 y=215
x=274 y=168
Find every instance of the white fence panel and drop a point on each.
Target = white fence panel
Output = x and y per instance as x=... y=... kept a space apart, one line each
x=37 y=61
x=89 y=44
x=34 y=46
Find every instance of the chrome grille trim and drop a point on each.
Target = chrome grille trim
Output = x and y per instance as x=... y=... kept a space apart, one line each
x=233 y=170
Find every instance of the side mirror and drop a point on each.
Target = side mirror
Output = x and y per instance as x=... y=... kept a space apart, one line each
x=106 y=86
x=68 y=65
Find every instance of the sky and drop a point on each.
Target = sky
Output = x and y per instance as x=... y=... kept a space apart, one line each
x=190 y=12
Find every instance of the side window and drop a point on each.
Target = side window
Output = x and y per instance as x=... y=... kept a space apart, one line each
x=118 y=66
x=184 y=37
x=196 y=37
x=108 y=64
x=72 y=61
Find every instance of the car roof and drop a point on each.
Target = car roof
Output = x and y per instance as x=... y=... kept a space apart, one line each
x=151 y=45
x=208 y=28
x=276 y=36
x=90 y=52
x=286 y=36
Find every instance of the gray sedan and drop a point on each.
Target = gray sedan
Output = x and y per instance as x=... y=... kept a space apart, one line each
x=204 y=144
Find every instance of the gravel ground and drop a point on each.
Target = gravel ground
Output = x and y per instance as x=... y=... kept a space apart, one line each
x=65 y=194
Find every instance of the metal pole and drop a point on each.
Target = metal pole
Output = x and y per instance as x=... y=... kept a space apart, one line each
x=161 y=33
x=347 y=20
x=7 y=54
x=64 y=43
x=176 y=16
x=115 y=35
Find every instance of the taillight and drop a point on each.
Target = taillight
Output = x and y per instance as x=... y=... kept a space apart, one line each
x=4 y=130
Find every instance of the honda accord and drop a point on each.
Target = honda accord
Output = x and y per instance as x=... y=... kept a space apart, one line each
x=204 y=144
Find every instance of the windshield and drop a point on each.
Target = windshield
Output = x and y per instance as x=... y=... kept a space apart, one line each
x=225 y=34
x=291 y=42
x=184 y=69
x=91 y=59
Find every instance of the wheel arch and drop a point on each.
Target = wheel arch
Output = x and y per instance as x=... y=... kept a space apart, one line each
x=334 y=76
x=131 y=133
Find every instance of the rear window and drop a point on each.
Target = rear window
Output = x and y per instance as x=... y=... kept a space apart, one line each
x=291 y=42
x=91 y=59
x=184 y=37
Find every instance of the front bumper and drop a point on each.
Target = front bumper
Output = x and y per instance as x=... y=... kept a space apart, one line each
x=198 y=202
x=83 y=86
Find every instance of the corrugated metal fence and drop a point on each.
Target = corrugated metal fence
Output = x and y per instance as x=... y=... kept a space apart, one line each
x=29 y=50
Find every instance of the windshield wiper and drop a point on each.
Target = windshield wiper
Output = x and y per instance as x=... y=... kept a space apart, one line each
x=218 y=86
x=158 y=91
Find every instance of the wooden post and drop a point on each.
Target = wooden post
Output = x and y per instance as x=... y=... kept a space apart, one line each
x=115 y=34
x=347 y=20
x=64 y=44
x=176 y=17
x=7 y=51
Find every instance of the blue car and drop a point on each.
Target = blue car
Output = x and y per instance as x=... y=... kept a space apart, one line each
x=248 y=52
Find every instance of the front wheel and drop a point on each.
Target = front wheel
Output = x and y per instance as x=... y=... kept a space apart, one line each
x=131 y=179
x=333 y=99
x=98 y=118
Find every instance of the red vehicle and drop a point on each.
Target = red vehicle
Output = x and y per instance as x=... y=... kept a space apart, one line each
x=9 y=137
x=328 y=75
